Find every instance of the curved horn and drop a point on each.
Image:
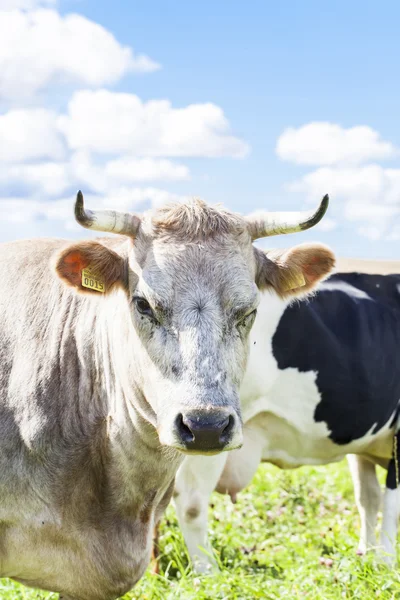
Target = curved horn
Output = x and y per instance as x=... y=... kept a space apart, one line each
x=264 y=224
x=105 y=220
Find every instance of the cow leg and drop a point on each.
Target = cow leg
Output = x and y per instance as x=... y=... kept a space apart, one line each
x=391 y=506
x=155 y=549
x=197 y=478
x=195 y=481
x=368 y=498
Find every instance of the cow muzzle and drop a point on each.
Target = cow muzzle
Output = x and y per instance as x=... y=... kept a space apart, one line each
x=208 y=432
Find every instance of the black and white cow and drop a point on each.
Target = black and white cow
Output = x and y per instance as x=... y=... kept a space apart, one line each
x=322 y=382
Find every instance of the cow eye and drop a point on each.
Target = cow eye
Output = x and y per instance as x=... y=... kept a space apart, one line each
x=248 y=319
x=143 y=307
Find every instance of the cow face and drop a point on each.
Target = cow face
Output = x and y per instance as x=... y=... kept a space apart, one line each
x=192 y=280
x=193 y=307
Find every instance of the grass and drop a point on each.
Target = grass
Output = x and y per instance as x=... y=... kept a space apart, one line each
x=291 y=535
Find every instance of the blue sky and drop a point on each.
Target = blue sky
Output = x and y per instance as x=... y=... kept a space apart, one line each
x=293 y=100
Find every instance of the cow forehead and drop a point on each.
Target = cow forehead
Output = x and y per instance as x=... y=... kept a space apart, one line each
x=197 y=271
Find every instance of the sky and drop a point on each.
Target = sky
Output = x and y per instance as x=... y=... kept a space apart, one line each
x=255 y=105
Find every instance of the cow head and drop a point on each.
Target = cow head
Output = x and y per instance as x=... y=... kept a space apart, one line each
x=191 y=278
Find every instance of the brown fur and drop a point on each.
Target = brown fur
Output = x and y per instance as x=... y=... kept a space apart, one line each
x=105 y=262
x=283 y=269
x=196 y=221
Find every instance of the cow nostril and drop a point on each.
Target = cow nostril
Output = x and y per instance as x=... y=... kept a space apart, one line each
x=184 y=431
x=205 y=431
x=226 y=432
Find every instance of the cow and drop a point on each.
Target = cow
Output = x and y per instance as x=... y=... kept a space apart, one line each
x=322 y=382
x=118 y=356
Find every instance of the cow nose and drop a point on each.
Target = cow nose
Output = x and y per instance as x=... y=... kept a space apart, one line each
x=205 y=432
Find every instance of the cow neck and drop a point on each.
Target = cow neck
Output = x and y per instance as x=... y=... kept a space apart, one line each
x=130 y=423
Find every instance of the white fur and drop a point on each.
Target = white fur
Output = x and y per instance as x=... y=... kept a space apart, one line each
x=347 y=288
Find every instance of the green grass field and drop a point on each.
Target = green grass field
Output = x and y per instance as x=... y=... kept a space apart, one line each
x=290 y=535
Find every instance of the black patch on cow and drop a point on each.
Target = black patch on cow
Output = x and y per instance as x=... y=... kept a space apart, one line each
x=353 y=344
x=393 y=471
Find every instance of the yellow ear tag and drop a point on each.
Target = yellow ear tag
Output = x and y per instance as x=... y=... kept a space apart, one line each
x=297 y=281
x=93 y=281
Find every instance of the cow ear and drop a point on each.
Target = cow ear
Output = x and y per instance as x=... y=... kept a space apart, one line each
x=295 y=271
x=90 y=267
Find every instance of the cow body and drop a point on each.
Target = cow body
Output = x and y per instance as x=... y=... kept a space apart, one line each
x=322 y=382
x=76 y=511
x=330 y=372
x=116 y=356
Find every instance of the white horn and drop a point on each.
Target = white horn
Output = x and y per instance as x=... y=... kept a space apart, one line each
x=264 y=224
x=106 y=220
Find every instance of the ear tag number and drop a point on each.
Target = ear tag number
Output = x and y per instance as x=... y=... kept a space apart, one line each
x=92 y=281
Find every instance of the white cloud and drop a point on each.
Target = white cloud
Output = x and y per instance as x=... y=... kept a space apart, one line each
x=123 y=171
x=25 y=210
x=38 y=47
x=129 y=169
x=107 y=143
x=322 y=143
x=24 y=4
x=109 y=122
x=29 y=135
x=368 y=196
x=51 y=179
x=47 y=179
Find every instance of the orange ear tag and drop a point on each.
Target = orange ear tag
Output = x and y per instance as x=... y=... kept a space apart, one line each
x=93 y=281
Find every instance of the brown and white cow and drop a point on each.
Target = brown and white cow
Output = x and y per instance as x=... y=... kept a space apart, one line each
x=106 y=381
